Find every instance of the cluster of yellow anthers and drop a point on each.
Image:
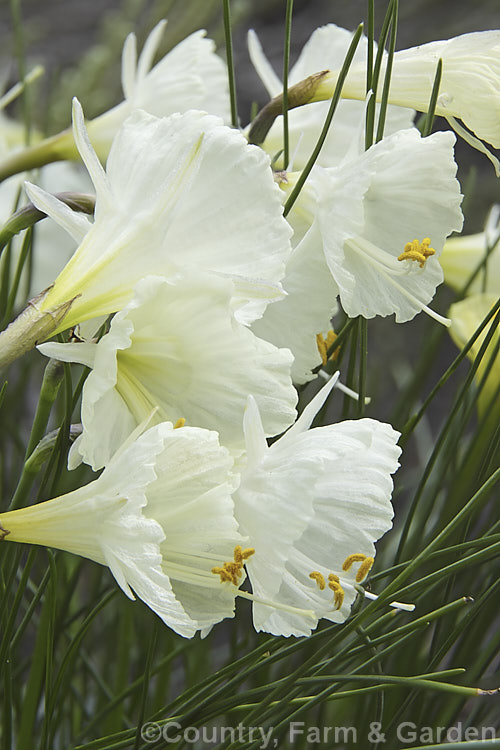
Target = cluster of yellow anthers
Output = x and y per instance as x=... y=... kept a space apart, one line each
x=325 y=344
x=233 y=570
x=418 y=251
x=334 y=580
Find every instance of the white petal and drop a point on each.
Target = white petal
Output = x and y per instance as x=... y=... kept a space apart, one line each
x=191 y=76
x=149 y=50
x=409 y=191
x=188 y=193
x=83 y=353
x=74 y=223
x=177 y=347
x=306 y=419
x=307 y=309
x=194 y=475
x=129 y=65
x=264 y=69
x=255 y=437
x=346 y=469
x=89 y=156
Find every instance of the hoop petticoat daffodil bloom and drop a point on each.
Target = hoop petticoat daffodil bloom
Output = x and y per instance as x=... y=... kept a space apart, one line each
x=176 y=347
x=179 y=192
x=463 y=255
x=328 y=492
x=382 y=219
x=190 y=76
x=326 y=49
x=469 y=89
x=160 y=517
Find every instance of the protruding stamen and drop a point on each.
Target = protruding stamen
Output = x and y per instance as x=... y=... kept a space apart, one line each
x=417 y=251
x=319 y=578
x=180 y=423
x=233 y=570
x=338 y=591
x=364 y=568
x=324 y=344
x=397 y=605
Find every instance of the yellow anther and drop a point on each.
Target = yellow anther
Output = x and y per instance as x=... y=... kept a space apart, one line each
x=338 y=591
x=324 y=344
x=366 y=564
x=364 y=569
x=180 y=423
x=319 y=578
x=418 y=251
x=233 y=570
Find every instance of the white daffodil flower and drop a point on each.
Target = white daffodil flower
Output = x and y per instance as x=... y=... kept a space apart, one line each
x=469 y=88
x=179 y=193
x=327 y=490
x=466 y=316
x=177 y=348
x=326 y=49
x=462 y=256
x=160 y=517
x=383 y=218
x=190 y=76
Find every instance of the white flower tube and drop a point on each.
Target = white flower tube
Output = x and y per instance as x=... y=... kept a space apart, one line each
x=326 y=49
x=177 y=348
x=470 y=81
x=160 y=517
x=328 y=492
x=383 y=218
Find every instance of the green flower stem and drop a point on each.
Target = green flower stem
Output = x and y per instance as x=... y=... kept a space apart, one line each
x=51 y=382
x=298 y=95
x=228 y=35
x=56 y=148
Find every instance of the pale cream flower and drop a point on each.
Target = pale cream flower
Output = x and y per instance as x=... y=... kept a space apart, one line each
x=160 y=517
x=469 y=89
x=176 y=348
x=328 y=492
x=179 y=193
x=382 y=219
